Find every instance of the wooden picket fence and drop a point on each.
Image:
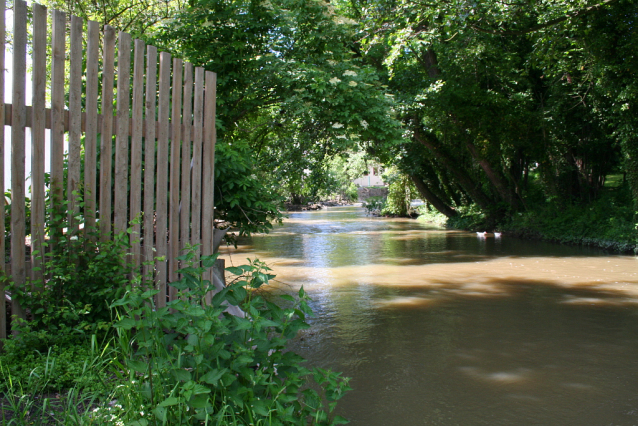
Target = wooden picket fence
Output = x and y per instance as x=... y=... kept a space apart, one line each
x=164 y=138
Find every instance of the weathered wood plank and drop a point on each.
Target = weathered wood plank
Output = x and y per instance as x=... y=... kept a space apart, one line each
x=106 y=142
x=121 y=137
x=3 y=308
x=18 y=216
x=162 y=176
x=75 y=123
x=58 y=47
x=37 y=139
x=137 y=127
x=173 y=206
x=90 y=138
x=113 y=121
x=208 y=166
x=187 y=114
x=196 y=175
x=149 y=158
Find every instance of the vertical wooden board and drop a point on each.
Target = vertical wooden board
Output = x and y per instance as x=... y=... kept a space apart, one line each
x=37 y=138
x=137 y=127
x=106 y=143
x=176 y=137
x=90 y=138
x=187 y=114
x=57 y=108
x=208 y=167
x=149 y=157
x=3 y=309
x=196 y=175
x=121 y=137
x=75 y=123
x=162 y=175
x=18 y=123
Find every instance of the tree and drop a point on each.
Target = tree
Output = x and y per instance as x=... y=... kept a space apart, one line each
x=292 y=93
x=493 y=92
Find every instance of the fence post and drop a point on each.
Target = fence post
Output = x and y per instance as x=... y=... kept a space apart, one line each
x=106 y=145
x=162 y=173
x=3 y=296
x=37 y=140
x=90 y=138
x=58 y=46
x=208 y=168
x=121 y=137
x=18 y=123
x=149 y=158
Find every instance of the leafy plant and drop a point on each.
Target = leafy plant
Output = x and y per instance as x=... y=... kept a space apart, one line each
x=192 y=362
x=81 y=276
x=56 y=387
x=374 y=204
x=401 y=192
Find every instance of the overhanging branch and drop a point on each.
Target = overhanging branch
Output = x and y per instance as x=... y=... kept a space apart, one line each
x=577 y=14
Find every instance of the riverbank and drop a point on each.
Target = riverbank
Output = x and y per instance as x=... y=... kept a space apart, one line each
x=607 y=224
x=289 y=207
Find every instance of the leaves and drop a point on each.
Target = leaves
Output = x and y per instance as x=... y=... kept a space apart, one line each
x=196 y=361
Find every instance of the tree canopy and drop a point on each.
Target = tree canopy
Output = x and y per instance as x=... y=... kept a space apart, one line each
x=495 y=104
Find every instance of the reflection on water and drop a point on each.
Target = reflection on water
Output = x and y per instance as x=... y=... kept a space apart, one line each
x=443 y=328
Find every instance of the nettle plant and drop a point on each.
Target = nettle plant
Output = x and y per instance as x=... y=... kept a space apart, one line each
x=193 y=363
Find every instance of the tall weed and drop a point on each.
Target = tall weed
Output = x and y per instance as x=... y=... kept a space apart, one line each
x=193 y=363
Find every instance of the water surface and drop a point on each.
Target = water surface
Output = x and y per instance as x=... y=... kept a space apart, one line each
x=441 y=327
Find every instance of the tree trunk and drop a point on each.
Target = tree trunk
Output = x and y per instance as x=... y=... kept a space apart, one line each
x=495 y=178
x=459 y=174
x=431 y=198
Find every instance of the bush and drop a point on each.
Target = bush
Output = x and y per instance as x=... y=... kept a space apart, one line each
x=82 y=277
x=192 y=362
x=374 y=204
x=54 y=370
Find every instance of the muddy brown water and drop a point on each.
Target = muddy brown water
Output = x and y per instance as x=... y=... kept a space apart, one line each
x=440 y=327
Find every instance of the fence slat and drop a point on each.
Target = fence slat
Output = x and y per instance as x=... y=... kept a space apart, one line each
x=196 y=194
x=37 y=138
x=137 y=127
x=121 y=137
x=18 y=217
x=149 y=157
x=185 y=202
x=3 y=307
x=57 y=107
x=75 y=122
x=106 y=145
x=208 y=167
x=162 y=174
x=90 y=139
x=176 y=125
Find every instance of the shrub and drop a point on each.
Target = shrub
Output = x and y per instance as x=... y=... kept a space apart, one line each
x=374 y=204
x=192 y=362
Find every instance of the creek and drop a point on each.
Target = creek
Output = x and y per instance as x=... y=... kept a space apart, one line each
x=440 y=327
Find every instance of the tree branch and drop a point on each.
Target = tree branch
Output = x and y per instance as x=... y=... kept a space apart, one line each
x=577 y=14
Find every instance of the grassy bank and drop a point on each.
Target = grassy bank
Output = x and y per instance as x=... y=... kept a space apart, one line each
x=607 y=223
x=96 y=350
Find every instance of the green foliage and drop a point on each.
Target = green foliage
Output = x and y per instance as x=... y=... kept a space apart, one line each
x=242 y=198
x=401 y=192
x=78 y=366
x=492 y=92
x=81 y=277
x=374 y=204
x=292 y=92
x=607 y=223
x=190 y=362
x=431 y=216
